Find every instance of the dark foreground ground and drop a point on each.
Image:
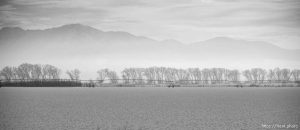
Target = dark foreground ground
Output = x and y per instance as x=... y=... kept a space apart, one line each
x=149 y=108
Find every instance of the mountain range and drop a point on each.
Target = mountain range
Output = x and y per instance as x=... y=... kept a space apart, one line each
x=76 y=43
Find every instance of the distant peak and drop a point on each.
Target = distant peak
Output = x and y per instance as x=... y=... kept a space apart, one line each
x=119 y=32
x=75 y=26
x=12 y=29
x=221 y=39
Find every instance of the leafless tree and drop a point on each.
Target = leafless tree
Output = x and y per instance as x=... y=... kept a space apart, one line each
x=158 y=71
x=170 y=74
x=220 y=74
x=129 y=75
x=255 y=75
x=50 y=72
x=212 y=75
x=247 y=75
x=141 y=75
x=36 y=72
x=138 y=75
x=296 y=75
x=7 y=73
x=194 y=74
x=102 y=74
x=286 y=74
x=181 y=75
x=24 y=71
x=232 y=75
x=280 y=74
x=206 y=75
x=73 y=74
x=271 y=75
x=31 y=71
x=112 y=76
x=149 y=74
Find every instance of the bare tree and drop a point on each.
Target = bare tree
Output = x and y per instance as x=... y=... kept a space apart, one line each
x=219 y=74
x=233 y=75
x=24 y=71
x=36 y=71
x=140 y=75
x=127 y=75
x=194 y=74
x=247 y=75
x=170 y=74
x=296 y=75
x=112 y=75
x=54 y=72
x=158 y=74
x=280 y=74
x=28 y=71
x=7 y=73
x=73 y=74
x=256 y=75
x=50 y=72
x=149 y=74
x=181 y=75
x=133 y=75
x=286 y=74
x=206 y=75
x=102 y=74
x=271 y=75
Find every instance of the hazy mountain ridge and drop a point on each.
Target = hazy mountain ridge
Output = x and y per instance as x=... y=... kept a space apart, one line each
x=80 y=40
x=248 y=49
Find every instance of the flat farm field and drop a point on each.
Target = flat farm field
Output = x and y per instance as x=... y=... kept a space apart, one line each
x=141 y=108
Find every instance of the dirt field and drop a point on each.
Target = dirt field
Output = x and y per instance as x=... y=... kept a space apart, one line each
x=149 y=108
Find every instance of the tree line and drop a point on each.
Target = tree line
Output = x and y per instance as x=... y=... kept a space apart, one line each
x=40 y=74
x=37 y=75
x=197 y=75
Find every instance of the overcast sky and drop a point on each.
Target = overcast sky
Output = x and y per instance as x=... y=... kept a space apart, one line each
x=276 y=21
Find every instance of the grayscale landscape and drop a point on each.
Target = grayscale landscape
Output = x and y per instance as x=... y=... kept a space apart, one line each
x=149 y=65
